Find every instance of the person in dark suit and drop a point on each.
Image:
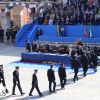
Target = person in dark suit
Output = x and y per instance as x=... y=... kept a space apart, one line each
x=1 y=35
x=40 y=20
x=47 y=47
x=79 y=50
x=39 y=32
x=76 y=66
x=78 y=18
x=51 y=78
x=85 y=63
x=80 y=43
x=64 y=48
x=35 y=84
x=94 y=59
x=96 y=21
x=62 y=75
x=2 y=79
x=34 y=46
x=28 y=47
x=16 y=81
x=7 y=36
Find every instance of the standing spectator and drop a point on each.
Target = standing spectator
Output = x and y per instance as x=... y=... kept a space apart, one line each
x=39 y=32
x=8 y=36
x=51 y=78
x=1 y=35
x=62 y=76
x=28 y=47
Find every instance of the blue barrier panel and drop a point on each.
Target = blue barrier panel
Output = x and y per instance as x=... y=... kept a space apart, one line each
x=21 y=31
x=33 y=34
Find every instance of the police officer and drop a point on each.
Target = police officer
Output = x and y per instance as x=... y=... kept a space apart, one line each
x=94 y=59
x=35 y=84
x=2 y=79
x=76 y=66
x=51 y=78
x=84 y=62
x=16 y=81
x=62 y=76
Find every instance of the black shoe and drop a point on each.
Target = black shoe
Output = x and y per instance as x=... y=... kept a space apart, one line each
x=22 y=93
x=41 y=95
x=7 y=91
x=30 y=95
x=13 y=94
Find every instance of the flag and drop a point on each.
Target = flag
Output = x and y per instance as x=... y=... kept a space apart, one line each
x=85 y=29
x=90 y=32
x=58 y=29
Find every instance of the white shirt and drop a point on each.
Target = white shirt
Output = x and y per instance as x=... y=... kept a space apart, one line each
x=50 y=22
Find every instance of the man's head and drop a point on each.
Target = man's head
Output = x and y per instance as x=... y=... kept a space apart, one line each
x=1 y=66
x=62 y=65
x=35 y=71
x=17 y=68
x=51 y=66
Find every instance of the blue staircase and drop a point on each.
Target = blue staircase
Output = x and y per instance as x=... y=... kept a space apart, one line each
x=22 y=41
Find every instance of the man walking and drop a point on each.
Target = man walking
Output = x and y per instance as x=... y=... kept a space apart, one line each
x=16 y=81
x=35 y=84
x=76 y=66
x=94 y=59
x=62 y=76
x=2 y=79
x=51 y=78
x=85 y=63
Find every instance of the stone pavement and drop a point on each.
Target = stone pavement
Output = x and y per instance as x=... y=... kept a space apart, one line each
x=87 y=88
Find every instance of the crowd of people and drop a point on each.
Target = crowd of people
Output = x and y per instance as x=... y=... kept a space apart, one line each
x=71 y=13
x=10 y=34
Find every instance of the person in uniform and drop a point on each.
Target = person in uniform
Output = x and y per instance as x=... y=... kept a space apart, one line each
x=62 y=75
x=7 y=36
x=1 y=35
x=28 y=47
x=84 y=62
x=76 y=66
x=94 y=59
x=35 y=84
x=51 y=78
x=2 y=79
x=16 y=81
x=34 y=46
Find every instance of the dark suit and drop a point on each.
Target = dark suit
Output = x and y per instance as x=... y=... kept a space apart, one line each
x=2 y=79
x=62 y=76
x=80 y=43
x=76 y=66
x=55 y=49
x=94 y=59
x=51 y=79
x=85 y=63
x=35 y=84
x=16 y=81
x=34 y=47
x=79 y=51
x=64 y=49
x=1 y=35
x=28 y=47
x=47 y=48
x=39 y=33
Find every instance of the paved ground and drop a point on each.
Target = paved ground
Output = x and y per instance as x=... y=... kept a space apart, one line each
x=85 y=89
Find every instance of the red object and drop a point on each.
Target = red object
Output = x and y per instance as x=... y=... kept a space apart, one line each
x=45 y=21
x=85 y=29
x=91 y=2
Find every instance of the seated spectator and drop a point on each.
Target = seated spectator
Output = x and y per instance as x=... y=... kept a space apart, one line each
x=50 y=21
x=28 y=47
x=39 y=32
x=40 y=47
x=45 y=22
x=55 y=48
x=47 y=47
x=64 y=48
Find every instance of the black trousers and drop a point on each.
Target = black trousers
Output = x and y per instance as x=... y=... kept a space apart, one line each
x=54 y=86
x=19 y=87
x=3 y=83
x=2 y=39
x=75 y=75
x=85 y=68
x=37 y=88
x=62 y=82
